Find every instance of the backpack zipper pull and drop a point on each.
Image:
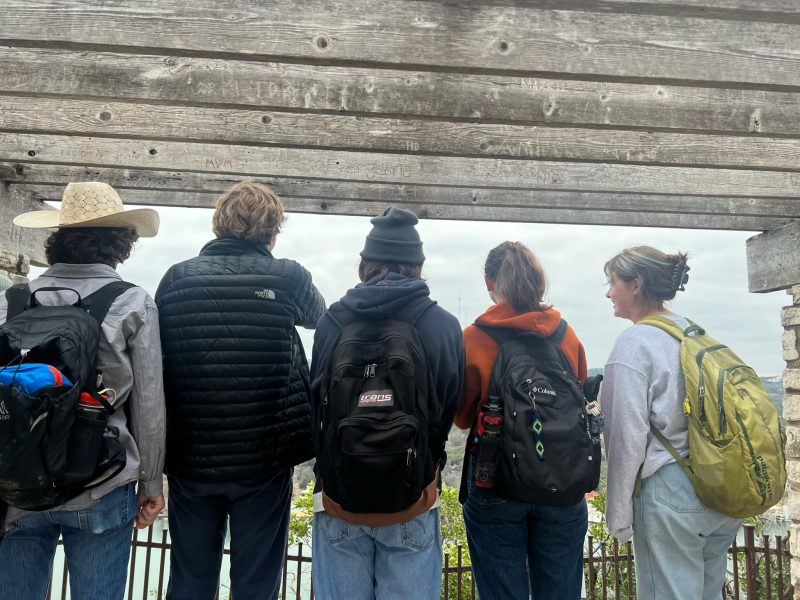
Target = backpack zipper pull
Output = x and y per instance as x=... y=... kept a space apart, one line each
x=410 y=454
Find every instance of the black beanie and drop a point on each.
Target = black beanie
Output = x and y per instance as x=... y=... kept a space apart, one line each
x=393 y=238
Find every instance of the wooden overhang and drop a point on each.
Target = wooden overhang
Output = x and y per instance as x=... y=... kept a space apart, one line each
x=662 y=113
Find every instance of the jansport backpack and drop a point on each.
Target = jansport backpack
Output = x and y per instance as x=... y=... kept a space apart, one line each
x=736 y=443
x=549 y=452
x=38 y=433
x=371 y=437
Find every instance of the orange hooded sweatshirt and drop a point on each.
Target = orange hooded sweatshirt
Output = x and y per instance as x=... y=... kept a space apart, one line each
x=481 y=351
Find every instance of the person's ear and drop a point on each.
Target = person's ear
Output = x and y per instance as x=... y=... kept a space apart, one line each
x=489 y=283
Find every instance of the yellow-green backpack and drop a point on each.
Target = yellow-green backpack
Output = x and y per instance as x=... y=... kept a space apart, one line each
x=736 y=443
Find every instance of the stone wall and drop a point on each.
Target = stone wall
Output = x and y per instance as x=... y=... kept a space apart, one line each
x=14 y=266
x=790 y=317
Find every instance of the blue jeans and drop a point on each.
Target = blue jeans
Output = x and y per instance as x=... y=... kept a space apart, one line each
x=97 y=545
x=198 y=520
x=680 y=545
x=522 y=551
x=395 y=562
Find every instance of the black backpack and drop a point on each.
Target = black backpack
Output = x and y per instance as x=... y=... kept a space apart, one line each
x=40 y=437
x=371 y=428
x=549 y=453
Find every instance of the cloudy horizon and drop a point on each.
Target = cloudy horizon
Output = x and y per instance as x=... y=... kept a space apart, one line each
x=572 y=255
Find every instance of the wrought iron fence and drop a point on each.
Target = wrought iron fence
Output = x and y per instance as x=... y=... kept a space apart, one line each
x=758 y=570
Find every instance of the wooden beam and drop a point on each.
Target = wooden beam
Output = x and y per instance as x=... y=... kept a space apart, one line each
x=243 y=126
x=395 y=168
x=30 y=242
x=789 y=7
x=498 y=36
x=271 y=86
x=495 y=205
x=47 y=182
x=773 y=259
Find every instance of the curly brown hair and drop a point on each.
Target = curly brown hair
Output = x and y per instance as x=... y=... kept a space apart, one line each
x=248 y=211
x=89 y=245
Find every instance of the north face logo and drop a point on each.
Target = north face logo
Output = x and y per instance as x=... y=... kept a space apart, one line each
x=4 y=414
x=265 y=294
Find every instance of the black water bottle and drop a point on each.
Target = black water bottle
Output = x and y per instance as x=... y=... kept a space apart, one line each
x=491 y=420
x=85 y=439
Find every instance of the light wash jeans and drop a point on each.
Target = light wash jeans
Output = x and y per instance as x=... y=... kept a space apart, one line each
x=396 y=562
x=97 y=545
x=680 y=545
x=522 y=551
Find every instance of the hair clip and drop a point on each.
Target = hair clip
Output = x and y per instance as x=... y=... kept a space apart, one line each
x=680 y=276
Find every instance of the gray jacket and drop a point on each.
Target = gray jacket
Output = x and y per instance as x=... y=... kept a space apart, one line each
x=130 y=358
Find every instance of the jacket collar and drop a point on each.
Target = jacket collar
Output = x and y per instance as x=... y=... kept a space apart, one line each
x=230 y=246
x=90 y=271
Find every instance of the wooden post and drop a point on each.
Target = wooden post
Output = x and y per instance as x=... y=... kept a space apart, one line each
x=773 y=263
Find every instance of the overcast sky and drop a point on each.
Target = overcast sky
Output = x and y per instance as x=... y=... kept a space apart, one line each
x=573 y=256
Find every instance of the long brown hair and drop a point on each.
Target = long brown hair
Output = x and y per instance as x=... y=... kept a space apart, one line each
x=517 y=276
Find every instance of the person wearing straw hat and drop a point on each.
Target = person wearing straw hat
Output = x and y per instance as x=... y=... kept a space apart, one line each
x=236 y=381
x=93 y=235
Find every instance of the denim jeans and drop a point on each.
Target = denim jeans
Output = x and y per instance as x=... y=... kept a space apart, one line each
x=259 y=524
x=680 y=545
x=97 y=545
x=522 y=551
x=395 y=562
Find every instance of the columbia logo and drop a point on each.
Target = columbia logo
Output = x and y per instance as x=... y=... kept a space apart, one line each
x=265 y=294
x=4 y=414
x=543 y=390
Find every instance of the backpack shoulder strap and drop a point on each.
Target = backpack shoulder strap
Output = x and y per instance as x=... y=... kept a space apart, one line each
x=97 y=303
x=671 y=327
x=503 y=334
x=17 y=297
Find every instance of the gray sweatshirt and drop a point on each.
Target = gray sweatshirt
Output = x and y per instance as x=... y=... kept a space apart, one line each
x=130 y=358
x=642 y=384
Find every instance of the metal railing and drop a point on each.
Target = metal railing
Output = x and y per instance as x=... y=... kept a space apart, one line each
x=757 y=571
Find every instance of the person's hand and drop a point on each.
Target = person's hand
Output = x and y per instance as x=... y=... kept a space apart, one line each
x=148 y=509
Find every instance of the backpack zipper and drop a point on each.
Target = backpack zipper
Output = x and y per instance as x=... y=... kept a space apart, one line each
x=760 y=476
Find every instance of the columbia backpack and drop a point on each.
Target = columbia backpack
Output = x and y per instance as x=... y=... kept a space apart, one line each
x=374 y=453
x=736 y=444
x=48 y=359
x=549 y=450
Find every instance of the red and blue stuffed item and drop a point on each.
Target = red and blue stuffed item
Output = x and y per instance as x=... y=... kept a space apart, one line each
x=30 y=378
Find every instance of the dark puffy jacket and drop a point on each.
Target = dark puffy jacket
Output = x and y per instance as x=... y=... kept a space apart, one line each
x=235 y=375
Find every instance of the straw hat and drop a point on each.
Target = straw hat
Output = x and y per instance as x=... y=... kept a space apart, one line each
x=92 y=204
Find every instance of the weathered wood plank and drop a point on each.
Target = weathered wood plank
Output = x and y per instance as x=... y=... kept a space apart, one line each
x=30 y=242
x=92 y=117
x=47 y=182
x=455 y=34
x=530 y=214
x=285 y=86
x=789 y=7
x=773 y=259
x=398 y=168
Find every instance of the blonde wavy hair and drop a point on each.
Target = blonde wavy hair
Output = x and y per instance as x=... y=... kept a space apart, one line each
x=248 y=211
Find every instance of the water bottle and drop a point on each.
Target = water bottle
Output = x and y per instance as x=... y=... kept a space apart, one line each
x=86 y=438
x=491 y=420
